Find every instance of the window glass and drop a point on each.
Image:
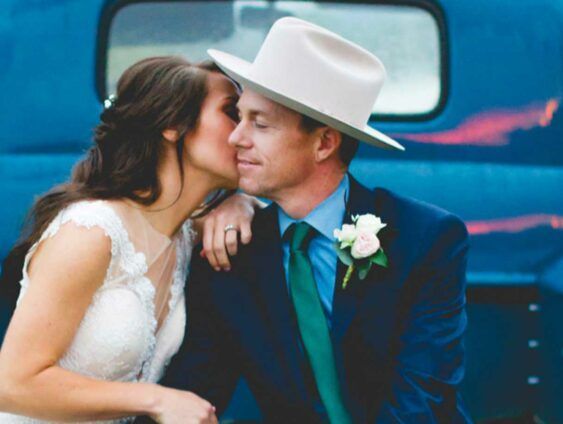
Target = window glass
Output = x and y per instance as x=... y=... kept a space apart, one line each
x=405 y=38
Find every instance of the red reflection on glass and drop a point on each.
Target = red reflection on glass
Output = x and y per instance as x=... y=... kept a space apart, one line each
x=490 y=128
x=514 y=224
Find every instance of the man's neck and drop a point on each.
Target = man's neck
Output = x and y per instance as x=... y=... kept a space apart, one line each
x=299 y=201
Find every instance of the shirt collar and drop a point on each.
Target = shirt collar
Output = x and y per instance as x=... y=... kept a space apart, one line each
x=327 y=216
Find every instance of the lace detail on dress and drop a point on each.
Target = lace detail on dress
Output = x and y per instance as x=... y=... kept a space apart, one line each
x=184 y=246
x=96 y=214
x=184 y=254
x=117 y=339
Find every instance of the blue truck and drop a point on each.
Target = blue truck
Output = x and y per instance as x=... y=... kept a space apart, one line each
x=474 y=94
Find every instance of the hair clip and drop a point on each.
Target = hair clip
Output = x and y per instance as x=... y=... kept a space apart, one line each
x=110 y=101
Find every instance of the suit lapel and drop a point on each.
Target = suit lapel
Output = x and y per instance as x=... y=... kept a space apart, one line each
x=268 y=260
x=347 y=301
x=273 y=294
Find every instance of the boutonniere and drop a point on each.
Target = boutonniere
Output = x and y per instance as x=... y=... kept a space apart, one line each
x=358 y=247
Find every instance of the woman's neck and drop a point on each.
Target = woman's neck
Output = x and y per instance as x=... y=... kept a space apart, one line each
x=176 y=203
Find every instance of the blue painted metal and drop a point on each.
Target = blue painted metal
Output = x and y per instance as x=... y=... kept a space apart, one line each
x=493 y=155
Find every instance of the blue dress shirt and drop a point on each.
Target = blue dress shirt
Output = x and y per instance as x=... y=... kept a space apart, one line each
x=325 y=218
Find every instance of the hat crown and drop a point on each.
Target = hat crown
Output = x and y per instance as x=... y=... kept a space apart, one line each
x=315 y=72
x=320 y=69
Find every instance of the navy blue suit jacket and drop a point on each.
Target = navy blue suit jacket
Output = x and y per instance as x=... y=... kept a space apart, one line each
x=397 y=335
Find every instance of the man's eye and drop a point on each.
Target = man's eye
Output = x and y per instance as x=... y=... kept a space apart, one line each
x=259 y=125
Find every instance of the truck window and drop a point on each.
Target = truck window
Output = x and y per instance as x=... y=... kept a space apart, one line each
x=406 y=38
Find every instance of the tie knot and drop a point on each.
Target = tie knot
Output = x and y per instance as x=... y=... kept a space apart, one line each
x=301 y=236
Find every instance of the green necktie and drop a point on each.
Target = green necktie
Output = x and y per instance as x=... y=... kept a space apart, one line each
x=313 y=325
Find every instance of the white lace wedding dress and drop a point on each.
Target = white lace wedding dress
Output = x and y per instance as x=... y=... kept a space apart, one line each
x=136 y=320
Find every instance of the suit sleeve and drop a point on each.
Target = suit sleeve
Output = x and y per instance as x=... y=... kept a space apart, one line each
x=206 y=363
x=429 y=363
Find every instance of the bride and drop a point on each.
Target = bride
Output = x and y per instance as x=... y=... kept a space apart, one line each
x=103 y=263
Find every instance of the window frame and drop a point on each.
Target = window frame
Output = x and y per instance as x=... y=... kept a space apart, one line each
x=112 y=7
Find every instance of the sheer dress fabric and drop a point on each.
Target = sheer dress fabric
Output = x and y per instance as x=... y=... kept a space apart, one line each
x=136 y=320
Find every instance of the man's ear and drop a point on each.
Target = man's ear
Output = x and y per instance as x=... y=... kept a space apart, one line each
x=171 y=135
x=328 y=143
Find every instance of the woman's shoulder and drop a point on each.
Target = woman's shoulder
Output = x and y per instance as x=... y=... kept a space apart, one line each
x=94 y=212
x=101 y=218
x=91 y=214
x=74 y=247
x=77 y=238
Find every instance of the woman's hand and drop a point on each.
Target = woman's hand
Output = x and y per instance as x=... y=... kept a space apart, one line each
x=236 y=212
x=177 y=406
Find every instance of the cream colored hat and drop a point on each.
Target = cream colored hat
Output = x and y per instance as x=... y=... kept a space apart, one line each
x=317 y=73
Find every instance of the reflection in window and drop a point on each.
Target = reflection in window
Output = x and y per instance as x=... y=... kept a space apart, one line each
x=405 y=38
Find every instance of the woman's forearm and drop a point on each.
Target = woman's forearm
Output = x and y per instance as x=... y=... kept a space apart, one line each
x=62 y=395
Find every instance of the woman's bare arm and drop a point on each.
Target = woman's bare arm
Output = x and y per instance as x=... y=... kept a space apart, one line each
x=65 y=272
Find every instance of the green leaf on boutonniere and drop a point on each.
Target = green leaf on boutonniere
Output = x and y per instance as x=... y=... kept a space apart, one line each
x=363 y=269
x=380 y=258
x=344 y=256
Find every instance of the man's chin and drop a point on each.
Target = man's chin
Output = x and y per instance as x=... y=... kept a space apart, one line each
x=249 y=186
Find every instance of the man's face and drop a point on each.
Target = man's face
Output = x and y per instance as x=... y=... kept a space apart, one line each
x=274 y=154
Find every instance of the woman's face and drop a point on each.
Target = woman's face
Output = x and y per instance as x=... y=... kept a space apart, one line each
x=206 y=148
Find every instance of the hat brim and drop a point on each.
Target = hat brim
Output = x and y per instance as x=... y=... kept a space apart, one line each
x=239 y=69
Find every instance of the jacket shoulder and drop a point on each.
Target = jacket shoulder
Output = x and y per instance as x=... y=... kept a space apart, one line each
x=418 y=216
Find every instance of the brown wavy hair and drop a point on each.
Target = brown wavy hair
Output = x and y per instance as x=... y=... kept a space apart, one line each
x=152 y=95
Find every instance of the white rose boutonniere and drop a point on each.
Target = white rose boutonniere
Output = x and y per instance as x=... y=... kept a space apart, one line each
x=358 y=247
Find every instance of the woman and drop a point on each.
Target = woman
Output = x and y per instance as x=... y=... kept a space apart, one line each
x=102 y=268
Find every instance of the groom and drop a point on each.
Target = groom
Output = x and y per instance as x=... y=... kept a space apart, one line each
x=385 y=349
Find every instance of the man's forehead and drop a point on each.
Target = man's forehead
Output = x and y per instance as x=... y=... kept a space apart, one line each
x=255 y=102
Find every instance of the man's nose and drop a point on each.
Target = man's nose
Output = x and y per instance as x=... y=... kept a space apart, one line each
x=237 y=137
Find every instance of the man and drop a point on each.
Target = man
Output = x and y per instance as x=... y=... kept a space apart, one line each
x=383 y=349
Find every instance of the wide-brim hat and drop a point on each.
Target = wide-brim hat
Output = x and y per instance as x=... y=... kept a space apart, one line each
x=317 y=73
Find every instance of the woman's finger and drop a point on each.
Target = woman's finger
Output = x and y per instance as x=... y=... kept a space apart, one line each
x=231 y=241
x=208 y=230
x=219 y=248
x=245 y=232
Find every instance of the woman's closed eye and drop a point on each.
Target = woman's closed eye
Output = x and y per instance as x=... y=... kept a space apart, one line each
x=232 y=112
